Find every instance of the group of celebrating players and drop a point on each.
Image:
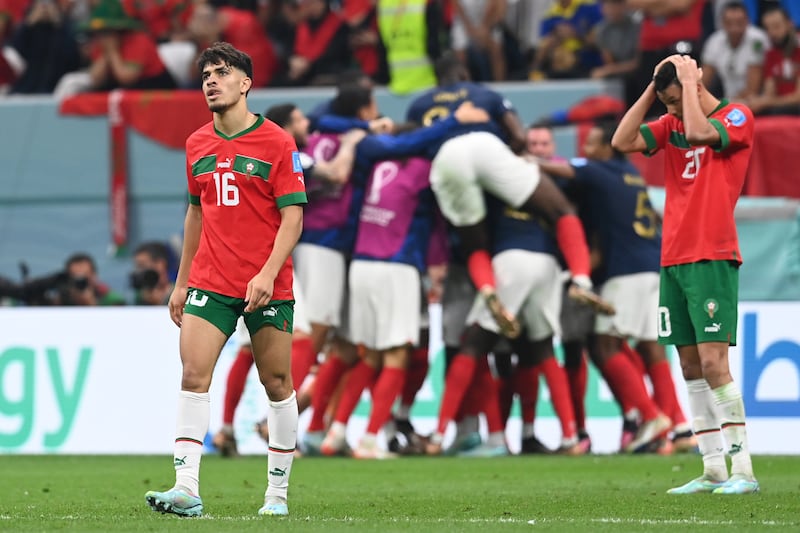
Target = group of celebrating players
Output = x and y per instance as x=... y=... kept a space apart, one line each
x=374 y=236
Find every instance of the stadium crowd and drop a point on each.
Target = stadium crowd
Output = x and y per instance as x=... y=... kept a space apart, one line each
x=70 y=46
x=373 y=217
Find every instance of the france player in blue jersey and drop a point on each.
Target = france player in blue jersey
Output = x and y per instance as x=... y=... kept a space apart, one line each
x=473 y=159
x=630 y=245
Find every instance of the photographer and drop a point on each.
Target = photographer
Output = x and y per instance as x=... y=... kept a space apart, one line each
x=151 y=277
x=83 y=287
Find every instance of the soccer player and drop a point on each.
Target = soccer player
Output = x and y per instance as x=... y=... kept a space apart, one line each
x=707 y=145
x=477 y=158
x=244 y=217
x=629 y=241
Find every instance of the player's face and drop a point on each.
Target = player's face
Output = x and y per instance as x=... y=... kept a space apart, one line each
x=672 y=98
x=298 y=127
x=593 y=145
x=223 y=86
x=539 y=142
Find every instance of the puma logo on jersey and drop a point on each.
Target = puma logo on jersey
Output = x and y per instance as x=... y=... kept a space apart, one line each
x=225 y=164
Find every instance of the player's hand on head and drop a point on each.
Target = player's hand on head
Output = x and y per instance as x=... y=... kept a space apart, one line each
x=667 y=59
x=259 y=291
x=687 y=70
x=176 y=302
x=467 y=113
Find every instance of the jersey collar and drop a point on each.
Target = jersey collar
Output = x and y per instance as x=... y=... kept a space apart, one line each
x=259 y=121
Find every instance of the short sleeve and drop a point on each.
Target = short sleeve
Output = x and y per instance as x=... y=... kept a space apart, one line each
x=289 y=184
x=655 y=134
x=735 y=125
x=193 y=186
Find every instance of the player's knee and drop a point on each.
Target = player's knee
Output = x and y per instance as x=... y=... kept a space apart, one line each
x=691 y=370
x=278 y=385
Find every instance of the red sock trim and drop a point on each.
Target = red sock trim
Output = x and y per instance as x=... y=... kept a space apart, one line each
x=479 y=265
x=459 y=377
x=328 y=377
x=578 y=378
x=491 y=399
x=415 y=377
x=526 y=385
x=664 y=388
x=572 y=242
x=303 y=358
x=384 y=393
x=359 y=379
x=560 y=396
x=627 y=385
x=237 y=379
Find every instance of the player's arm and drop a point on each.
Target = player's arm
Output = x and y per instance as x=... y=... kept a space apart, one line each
x=557 y=169
x=515 y=132
x=628 y=137
x=338 y=169
x=192 y=227
x=697 y=128
x=285 y=240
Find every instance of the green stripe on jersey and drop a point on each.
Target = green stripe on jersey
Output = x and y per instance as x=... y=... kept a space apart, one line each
x=194 y=200
x=649 y=139
x=293 y=198
x=250 y=166
x=724 y=139
x=678 y=139
x=204 y=165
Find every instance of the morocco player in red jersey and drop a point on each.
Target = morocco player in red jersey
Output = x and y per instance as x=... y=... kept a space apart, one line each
x=707 y=145
x=244 y=218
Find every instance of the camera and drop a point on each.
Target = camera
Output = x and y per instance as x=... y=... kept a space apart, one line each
x=80 y=284
x=146 y=279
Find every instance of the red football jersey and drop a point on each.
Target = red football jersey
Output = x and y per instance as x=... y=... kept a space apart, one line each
x=703 y=184
x=241 y=183
x=784 y=70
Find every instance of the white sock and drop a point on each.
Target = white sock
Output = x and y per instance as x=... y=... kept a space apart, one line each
x=730 y=413
x=706 y=428
x=282 y=423
x=191 y=428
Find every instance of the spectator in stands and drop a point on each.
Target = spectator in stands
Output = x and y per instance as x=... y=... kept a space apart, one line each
x=615 y=38
x=83 y=286
x=240 y=28
x=668 y=27
x=734 y=55
x=122 y=54
x=282 y=18
x=12 y=13
x=361 y=19
x=321 y=49
x=151 y=277
x=564 y=50
x=781 y=91
x=410 y=54
x=162 y=18
x=46 y=42
x=477 y=38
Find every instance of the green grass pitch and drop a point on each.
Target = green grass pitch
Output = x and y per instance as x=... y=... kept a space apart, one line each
x=591 y=493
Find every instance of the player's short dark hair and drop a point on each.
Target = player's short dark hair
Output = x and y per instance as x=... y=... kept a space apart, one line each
x=666 y=76
x=157 y=250
x=222 y=52
x=449 y=66
x=541 y=125
x=80 y=257
x=350 y=100
x=353 y=76
x=280 y=114
x=608 y=128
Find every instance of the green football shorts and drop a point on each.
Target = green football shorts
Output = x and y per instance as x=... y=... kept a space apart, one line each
x=698 y=302
x=224 y=311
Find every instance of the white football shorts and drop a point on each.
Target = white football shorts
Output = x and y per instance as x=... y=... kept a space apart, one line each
x=467 y=165
x=635 y=297
x=321 y=272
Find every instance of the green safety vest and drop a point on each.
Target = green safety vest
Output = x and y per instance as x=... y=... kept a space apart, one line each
x=404 y=31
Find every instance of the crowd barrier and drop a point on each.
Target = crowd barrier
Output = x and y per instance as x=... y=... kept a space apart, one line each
x=105 y=381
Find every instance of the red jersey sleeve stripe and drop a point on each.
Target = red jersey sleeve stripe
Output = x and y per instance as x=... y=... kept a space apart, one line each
x=204 y=165
x=291 y=199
